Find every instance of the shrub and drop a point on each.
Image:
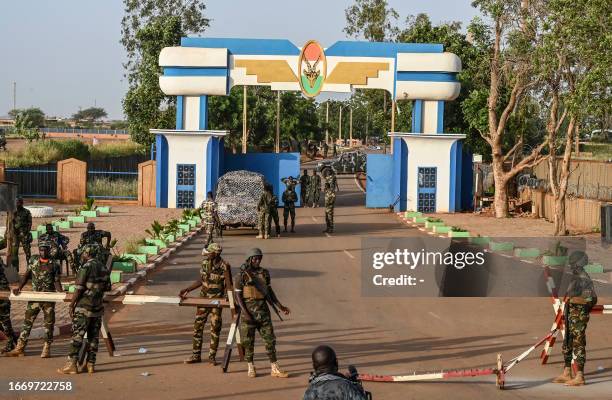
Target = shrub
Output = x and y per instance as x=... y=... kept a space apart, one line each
x=44 y=152
x=116 y=149
x=112 y=187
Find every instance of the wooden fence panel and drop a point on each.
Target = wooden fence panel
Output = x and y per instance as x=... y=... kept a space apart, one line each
x=590 y=179
x=580 y=214
x=71 y=181
x=146 y=183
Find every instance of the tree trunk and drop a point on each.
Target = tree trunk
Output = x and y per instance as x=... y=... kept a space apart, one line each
x=501 y=189
x=559 y=226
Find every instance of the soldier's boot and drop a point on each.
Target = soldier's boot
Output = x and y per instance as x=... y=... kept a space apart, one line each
x=212 y=359
x=194 y=359
x=251 y=373
x=277 y=372
x=91 y=368
x=577 y=381
x=18 y=351
x=46 y=351
x=260 y=236
x=70 y=368
x=565 y=376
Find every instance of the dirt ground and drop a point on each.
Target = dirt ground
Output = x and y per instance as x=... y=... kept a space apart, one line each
x=124 y=222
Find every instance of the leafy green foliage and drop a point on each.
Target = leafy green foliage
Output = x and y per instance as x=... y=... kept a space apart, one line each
x=46 y=151
x=91 y=114
x=373 y=20
x=156 y=230
x=34 y=115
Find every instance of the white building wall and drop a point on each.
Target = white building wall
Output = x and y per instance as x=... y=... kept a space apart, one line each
x=429 y=152
x=187 y=150
x=191 y=113
x=430 y=117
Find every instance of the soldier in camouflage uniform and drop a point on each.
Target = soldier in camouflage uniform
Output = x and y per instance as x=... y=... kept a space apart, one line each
x=45 y=275
x=92 y=236
x=314 y=189
x=273 y=216
x=326 y=383
x=582 y=297
x=263 y=213
x=22 y=225
x=209 y=217
x=255 y=312
x=304 y=183
x=5 y=309
x=290 y=182
x=330 y=200
x=87 y=309
x=58 y=244
x=289 y=199
x=214 y=276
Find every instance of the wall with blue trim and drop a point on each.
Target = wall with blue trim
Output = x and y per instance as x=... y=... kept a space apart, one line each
x=271 y=165
x=161 y=165
x=400 y=174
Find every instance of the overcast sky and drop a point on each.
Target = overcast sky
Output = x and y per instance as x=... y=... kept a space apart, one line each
x=65 y=54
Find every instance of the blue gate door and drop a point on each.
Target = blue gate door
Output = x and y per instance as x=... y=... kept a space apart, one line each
x=185 y=186
x=379 y=181
x=427 y=189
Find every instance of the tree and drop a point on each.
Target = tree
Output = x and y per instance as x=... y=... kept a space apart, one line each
x=35 y=116
x=573 y=62
x=26 y=127
x=511 y=65
x=90 y=114
x=147 y=27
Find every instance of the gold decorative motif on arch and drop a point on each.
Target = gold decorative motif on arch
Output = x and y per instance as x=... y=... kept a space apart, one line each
x=268 y=71
x=356 y=73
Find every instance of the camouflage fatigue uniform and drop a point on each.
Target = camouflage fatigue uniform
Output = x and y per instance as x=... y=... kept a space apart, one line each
x=209 y=217
x=274 y=215
x=289 y=199
x=44 y=275
x=577 y=318
x=304 y=183
x=5 y=308
x=330 y=201
x=328 y=386
x=213 y=287
x=94 y=280
x=290 y=183
x=258 y=308
x=263 y=213
x=94 y=238
x=56 y=241
x=314 y=190
x=22 y=225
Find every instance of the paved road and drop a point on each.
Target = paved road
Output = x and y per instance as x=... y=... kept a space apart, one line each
x=318 y=277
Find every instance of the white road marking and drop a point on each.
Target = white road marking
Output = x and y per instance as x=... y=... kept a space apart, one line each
x=506 y=255
x=435 y=315
x=349 y=254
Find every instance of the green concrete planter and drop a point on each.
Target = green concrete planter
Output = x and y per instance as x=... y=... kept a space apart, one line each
x=89 y=214
x=76 y=219
x=554 y=260
x=124 y=266
x=34 y=235
x=412 y=214
x=191 y=223
x=441 y=229
x=115 y=276
x=454 y=234
x=185 y=227
x=169 y=238
x=63 y=224
x=139 y=258
x=156 y=242
x=198 y=220
x=104 y=209
x=43 y=228
x=71 y=289
x=429 y=224
x=148 y=250
x=501 y=246
x=419 y=220
x=179 y=233
x=531 y=252
x=480 y=240
x=594 y=268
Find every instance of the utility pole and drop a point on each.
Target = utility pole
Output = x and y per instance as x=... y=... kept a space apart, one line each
x=277 y=143
x=14 y=95
x=351 y=129
x=340 y=124
x=244 y=119
x=327 y=123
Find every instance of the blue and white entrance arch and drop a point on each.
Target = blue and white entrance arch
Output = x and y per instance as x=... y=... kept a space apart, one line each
x=203 y=67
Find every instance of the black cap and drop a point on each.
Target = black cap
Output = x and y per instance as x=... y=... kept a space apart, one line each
x=324 y=359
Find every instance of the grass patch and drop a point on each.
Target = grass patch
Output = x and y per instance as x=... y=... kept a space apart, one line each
x=48 y=151
x=600 y=151
x=112 y=187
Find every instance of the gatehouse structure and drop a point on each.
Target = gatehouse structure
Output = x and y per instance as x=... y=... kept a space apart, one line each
x=425 y=171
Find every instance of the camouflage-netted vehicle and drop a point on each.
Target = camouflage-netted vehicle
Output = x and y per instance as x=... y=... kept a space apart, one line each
x=238 y=194
x=346 y=163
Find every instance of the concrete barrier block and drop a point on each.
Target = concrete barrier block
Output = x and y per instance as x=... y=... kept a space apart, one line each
x=139 y=258
x=76 y=219
x=531 y=252
x=594 y=268
x=501 y=246
x=480 y=240
x=554 y=260
x=441 y=229
x=157 y=242
x=455 y=234
x=412 y=214
x=103 y=209
x=89 y=214
x=125 y=266
x=153 y=250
